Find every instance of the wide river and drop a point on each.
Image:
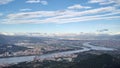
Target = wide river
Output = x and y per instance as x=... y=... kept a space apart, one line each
x=86 y=47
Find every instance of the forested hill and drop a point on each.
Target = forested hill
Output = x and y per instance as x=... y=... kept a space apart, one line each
x=89 y=61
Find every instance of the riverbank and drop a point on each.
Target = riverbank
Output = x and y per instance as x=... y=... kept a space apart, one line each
x=86 y=47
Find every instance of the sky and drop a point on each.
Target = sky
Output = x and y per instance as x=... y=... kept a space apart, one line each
x=60 y=16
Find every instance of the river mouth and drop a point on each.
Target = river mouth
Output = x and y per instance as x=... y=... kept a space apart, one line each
x=86 y=47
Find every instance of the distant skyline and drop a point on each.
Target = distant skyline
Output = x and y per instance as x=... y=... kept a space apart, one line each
x=60 y=16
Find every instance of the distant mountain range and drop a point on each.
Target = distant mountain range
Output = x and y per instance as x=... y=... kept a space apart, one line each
x=11 y=39
x=39 y=38
x=92 y=37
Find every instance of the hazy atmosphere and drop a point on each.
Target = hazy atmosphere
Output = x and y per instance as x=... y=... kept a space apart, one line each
x=59 y=33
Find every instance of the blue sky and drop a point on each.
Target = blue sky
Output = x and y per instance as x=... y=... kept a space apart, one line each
x=60 y=16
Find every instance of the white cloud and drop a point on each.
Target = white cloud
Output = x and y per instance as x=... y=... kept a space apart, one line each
x=98 y=1
x=36 y=14
x=101 y=1
x=26 y=9
x=117 y=2
x=78 y=6
x=80 y=19
x=64 y=16
x=33 y=1
x=5 y=1
x=7 y=33
x=93 y=11
x=37 y=1
x=105 y=2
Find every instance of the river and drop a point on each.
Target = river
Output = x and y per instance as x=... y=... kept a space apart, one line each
x=86 y=47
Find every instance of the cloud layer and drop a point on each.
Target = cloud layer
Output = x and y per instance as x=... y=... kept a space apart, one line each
x=68 y=15
x=78 y=6
x=5 y=1
x=37 y=1
x=105 y=2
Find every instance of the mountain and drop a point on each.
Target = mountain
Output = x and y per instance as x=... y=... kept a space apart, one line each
x=11 y=39
x=91 y=37
x=44 y=36
x=3 y=39
x=93 y=61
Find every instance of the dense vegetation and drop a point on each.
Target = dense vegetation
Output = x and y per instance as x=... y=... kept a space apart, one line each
x=89 y=61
